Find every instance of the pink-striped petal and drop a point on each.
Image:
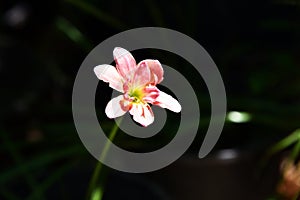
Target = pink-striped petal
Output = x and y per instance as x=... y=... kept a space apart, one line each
x=109 y=74
x=142 y=113
x=166 y=101
x=157 y=72
x=125 y=62
x=150 y=93
x=141 y=76
x=114 y=108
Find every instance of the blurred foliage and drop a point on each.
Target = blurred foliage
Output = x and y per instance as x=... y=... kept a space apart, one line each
x=255 y=45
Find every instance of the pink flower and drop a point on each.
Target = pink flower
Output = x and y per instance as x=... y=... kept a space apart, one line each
x=138 y=83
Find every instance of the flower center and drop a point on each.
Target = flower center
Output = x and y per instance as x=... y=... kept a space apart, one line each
x=137 y=95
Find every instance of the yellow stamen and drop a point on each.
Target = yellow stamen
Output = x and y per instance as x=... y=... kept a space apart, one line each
x=137 y=94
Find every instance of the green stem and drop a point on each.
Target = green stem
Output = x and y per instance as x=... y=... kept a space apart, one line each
x=295 y=151
x=294 y=137
x=281 y=145
x=99 y=165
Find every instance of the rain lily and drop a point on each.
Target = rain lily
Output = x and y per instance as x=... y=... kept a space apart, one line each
x=138 y=83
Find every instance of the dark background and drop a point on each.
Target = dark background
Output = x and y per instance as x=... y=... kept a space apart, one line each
x=255 y=45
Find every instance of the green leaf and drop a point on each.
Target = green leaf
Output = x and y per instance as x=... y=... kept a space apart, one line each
x=286 y=142
x=73 y=33
x=99 y=14
x=52 y=178
x=39 y=161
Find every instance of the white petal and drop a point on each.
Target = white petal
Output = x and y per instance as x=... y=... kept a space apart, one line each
x=167 y=101
x=114 y=109
x=109 y=74
x=142 y=113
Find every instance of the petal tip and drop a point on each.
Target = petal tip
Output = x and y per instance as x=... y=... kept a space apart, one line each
x=178 y=108
x=116 y=49
x=99 y=70
x=113 y=108
x=119 y=52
